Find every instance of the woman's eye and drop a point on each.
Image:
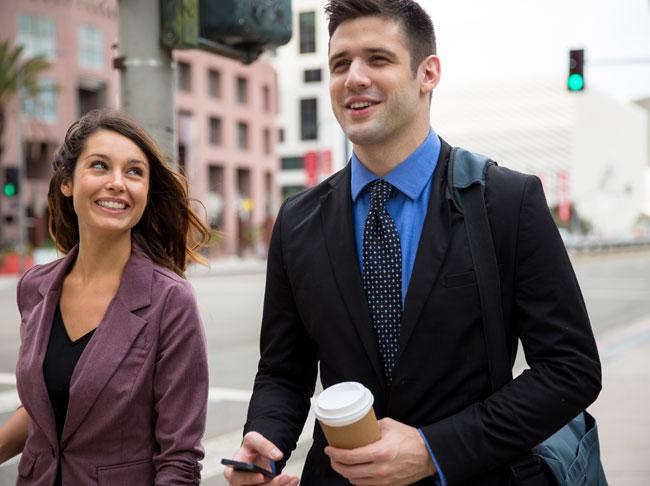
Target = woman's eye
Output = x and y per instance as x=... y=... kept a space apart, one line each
x=98 y=164
x=135 y=171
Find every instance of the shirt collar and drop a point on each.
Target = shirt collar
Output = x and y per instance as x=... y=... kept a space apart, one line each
x=410 y=176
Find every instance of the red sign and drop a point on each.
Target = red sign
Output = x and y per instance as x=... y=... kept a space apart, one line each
x=310 y=162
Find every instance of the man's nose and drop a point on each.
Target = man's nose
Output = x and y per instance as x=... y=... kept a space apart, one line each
x=357 y=76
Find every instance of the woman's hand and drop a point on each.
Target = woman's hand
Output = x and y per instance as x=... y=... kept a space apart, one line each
x=13 y=435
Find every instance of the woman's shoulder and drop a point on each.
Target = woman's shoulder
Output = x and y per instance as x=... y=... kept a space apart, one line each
x=33 y=284
x=170 y=283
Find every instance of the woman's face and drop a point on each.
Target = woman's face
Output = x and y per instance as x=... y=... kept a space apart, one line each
x=110 y=184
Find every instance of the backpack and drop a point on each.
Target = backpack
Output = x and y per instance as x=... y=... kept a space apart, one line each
x=572 y=454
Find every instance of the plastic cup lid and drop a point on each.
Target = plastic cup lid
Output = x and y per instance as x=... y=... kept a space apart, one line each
x=343 y=403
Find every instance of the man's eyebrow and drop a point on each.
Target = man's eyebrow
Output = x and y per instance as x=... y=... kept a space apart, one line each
x=368 y=50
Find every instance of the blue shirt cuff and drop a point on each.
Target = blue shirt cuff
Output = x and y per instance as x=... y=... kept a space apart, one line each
x=440 y=478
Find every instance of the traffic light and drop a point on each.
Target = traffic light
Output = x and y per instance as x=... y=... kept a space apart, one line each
x=11 y=186
x=576 y=78
x=235 y=28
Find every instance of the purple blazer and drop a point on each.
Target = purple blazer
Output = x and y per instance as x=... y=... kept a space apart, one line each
x=138 y=395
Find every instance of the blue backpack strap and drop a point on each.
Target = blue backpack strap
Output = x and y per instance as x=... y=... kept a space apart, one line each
x=466 y=168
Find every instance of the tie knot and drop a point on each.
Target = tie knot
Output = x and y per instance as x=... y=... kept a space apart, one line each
x=380 y=191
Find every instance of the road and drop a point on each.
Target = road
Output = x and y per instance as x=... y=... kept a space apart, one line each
x=616 y=289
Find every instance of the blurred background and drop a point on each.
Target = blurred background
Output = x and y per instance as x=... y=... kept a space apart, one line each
x=237 y=93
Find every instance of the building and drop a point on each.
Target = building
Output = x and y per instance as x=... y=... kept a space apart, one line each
x=225 y=120
x=311 y=144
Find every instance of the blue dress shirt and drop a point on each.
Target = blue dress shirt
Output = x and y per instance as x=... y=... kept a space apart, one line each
x=407 y=206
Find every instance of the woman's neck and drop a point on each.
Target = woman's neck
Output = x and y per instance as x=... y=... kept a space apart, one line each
x=101 y=258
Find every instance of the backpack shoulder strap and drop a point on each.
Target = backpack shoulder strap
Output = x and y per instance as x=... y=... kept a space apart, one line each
x=465 y=169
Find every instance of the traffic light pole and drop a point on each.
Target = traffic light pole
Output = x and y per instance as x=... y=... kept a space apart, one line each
x=146 y=71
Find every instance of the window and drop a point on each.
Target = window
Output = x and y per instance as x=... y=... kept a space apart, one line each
x=242 y=135
x=280 y=135
x=215 y=196
x=214 y=83
x=37 y=35
x=308 y=119
x=184 y=76
x=266 y=98
x=266 y=138
x=215 y=131
x=91 y=47
x=307 y=26
x=242 y=90
x=312 y=75
x=292 y=163
x=44 y=105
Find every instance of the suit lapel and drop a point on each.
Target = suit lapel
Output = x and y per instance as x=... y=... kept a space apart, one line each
x=112 y=340
x=338 y=228
x=32 y=379
x=432 y=249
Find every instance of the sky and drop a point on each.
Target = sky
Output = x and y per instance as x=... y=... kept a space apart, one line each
x=507 y=39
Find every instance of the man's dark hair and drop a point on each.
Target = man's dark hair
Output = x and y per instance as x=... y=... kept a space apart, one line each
x=416 y=24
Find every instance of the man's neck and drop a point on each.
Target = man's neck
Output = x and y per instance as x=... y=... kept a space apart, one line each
x=383 y=157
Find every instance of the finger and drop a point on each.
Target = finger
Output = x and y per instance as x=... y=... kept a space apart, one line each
x=255 y=441
x=238 y=478
x=285 y=480
x=360 y=455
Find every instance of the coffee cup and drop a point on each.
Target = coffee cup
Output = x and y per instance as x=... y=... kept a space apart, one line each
x=346 y=415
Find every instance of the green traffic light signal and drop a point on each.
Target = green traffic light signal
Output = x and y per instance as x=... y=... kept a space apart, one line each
x=9 y=189
x=575 y=82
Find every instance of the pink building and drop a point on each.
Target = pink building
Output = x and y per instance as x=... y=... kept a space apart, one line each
x=225 y=119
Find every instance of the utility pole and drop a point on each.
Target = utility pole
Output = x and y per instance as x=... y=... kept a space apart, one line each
x=146 y=71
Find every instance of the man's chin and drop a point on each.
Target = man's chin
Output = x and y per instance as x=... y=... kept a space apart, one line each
x=364 y=136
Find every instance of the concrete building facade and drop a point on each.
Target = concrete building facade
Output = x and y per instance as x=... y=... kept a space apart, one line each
x=225 y=120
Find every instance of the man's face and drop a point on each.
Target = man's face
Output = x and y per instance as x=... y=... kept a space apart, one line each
x=375 y=95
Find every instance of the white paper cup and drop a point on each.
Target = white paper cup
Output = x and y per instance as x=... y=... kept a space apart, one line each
x=346 y=415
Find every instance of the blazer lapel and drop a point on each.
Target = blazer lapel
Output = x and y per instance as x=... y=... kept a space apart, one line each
x=338 y=228
x=37 y=400
x=432 y=249
x=112 y=340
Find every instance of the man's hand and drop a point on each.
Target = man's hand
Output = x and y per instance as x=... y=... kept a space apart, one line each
x=400 y=457
x=255 y=448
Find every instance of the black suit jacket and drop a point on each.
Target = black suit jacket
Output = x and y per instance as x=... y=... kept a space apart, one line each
x=315 y=313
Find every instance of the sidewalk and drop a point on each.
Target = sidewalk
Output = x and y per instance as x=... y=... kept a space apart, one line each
x=621 y=410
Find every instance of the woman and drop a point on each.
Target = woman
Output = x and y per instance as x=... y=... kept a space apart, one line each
x=112 y=370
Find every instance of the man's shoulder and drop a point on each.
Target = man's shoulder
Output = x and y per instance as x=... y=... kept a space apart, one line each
x=310 y=198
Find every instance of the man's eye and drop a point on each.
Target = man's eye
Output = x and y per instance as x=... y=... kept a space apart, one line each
x=339 y=66
x=378 y=59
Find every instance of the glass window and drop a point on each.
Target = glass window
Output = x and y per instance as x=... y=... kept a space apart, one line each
x=184 y=76
x=280 y=135
x=214 y=83
x=91 y=47
x=242 y=90
x=37 y=35
x=312 y=75
x=308 y=119
x=266 y=138
x=215 y=131
x=242 y=135
x=266 y=98
x=44 y=105
x=292 y=163
x=307 y=26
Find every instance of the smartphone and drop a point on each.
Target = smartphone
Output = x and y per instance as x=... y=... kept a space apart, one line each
x=248 y=467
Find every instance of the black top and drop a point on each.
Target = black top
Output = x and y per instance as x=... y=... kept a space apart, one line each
x=60 y=360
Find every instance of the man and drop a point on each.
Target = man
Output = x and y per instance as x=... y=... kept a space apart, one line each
x=374 y=282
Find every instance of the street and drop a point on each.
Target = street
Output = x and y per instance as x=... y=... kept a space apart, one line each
x=616 y=289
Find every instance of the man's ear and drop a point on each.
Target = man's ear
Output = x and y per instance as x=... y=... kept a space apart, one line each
x=66 y=188
x=429 y=71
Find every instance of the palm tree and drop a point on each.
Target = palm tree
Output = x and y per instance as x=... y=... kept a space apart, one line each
x=17 y=74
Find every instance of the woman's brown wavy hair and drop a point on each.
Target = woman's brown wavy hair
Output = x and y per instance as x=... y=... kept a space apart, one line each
x=170 y=231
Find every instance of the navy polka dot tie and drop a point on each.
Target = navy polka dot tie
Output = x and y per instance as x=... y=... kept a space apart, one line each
x=382 y=273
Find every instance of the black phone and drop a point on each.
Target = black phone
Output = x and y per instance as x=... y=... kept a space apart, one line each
x=248 y=467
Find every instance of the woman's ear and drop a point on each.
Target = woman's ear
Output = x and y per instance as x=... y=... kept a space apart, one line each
x=66 y=188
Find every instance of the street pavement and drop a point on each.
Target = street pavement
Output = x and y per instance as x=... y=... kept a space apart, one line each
x=616 y=289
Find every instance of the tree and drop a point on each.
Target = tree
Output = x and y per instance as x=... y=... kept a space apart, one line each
x=15 y=74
